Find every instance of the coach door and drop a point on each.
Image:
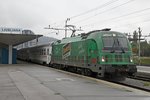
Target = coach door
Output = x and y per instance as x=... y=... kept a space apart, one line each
x=49 y=54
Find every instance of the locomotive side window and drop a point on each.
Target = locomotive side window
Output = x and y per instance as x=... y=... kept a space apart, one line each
x=108 y=41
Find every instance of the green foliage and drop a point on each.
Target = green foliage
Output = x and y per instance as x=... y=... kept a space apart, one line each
x=145 y=48
x=146 y=84
x=143 y=60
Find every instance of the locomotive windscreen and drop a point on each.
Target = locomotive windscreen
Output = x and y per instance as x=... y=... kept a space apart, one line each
x=115 y=43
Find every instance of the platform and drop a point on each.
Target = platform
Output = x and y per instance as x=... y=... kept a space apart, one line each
x=145 y=69
x=35 y=82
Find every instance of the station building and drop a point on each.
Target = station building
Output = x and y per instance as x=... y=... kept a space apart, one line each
x=10 y=37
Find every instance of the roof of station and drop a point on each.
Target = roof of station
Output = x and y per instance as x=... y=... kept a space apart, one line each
x=16 y=39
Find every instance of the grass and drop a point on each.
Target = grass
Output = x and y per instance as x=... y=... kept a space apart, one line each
x=143 y=60
x=147 y=84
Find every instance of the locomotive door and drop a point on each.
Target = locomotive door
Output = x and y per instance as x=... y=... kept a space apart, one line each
x=49 y=51
x=92 y=52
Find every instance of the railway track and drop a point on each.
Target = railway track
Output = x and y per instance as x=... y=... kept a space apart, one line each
x=134 y=83
x=140 y=80
x=143 y=76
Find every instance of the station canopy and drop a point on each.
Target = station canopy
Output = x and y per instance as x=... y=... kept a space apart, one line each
x=16 y=36
x=16 y=39
x=10 y=37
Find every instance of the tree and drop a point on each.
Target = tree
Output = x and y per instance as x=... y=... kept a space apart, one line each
x=145 y=47
x=134 y=43
x=135 y=36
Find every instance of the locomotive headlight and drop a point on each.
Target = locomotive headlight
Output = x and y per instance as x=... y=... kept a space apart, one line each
x=103 y=59
x=131 y=59
x=114 y=35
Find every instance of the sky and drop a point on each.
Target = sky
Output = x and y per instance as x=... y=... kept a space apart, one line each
x=119 y=15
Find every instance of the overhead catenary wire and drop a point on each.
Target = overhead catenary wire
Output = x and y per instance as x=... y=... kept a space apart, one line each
x=120 y=20
x=94 y=9
x=86 y=12
x=56 y=23
x=144 y=21
x=135 y=12
x=96 y=22
x=103 y=11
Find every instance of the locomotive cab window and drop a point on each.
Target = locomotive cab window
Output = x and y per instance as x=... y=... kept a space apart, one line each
x=123 y=42
x=114 y=42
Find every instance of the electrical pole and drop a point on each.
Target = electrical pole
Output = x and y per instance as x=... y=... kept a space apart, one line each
x=66 y=27
x=139 y=31
x=70 y=28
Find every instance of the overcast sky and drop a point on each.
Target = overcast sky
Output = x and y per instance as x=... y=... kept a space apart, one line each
x=120 y=15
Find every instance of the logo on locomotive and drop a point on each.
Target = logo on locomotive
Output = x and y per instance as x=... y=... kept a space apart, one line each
x=66 y=50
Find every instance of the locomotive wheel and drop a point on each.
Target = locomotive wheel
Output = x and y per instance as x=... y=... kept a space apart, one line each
x=83 y=72
x=87 y=72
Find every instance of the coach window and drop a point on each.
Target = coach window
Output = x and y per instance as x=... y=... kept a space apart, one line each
x=44 y=52
x=41 y=51
x=47 y=51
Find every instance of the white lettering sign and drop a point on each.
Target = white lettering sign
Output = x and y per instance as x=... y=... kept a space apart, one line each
x=10 y=30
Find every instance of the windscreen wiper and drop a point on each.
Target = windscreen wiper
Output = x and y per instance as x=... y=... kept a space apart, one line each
x=113 y=50
x=123 y=51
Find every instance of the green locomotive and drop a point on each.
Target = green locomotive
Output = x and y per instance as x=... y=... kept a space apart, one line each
x=100 y=53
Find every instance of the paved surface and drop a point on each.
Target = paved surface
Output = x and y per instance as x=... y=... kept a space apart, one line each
x=145 y=69
x=35 y=82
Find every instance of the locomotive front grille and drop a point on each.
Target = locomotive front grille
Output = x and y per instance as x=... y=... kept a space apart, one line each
x=126 y=58
x=108 y=58
x=118 y=58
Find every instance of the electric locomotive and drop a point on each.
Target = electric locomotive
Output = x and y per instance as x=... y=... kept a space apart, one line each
x=100 y=52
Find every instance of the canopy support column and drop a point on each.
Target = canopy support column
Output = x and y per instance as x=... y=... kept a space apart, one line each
x=10 y=54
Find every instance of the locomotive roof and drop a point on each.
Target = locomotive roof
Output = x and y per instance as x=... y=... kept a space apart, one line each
x=71 y=39
x=84 y=36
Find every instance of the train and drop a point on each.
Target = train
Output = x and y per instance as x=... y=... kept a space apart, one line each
x=40 y=54
x=99 y=53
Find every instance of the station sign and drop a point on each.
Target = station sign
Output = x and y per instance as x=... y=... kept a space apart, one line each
x=10 y=30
